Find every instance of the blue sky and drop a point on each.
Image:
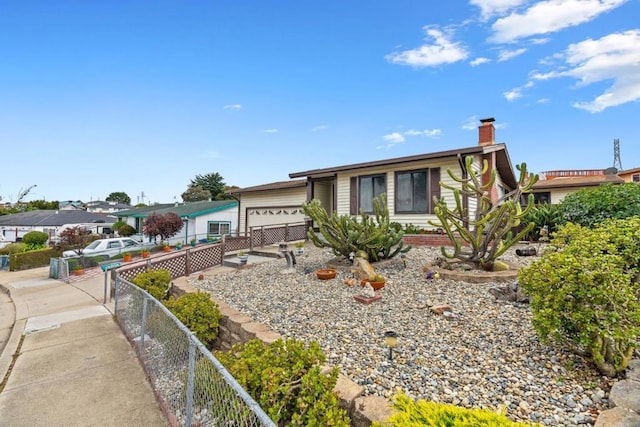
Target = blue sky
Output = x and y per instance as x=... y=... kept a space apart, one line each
x=141 y=96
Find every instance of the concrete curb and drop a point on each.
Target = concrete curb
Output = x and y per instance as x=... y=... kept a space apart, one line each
x=19 y=324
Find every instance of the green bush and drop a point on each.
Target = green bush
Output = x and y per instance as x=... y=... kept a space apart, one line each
x=116 y=226
x=126 y=230
x=35 y=239
x=590 y=206
x=199 y=313
x=585 y=292
x=284 y=378
x=424 y=413
x=32 y=259
x=375 y=235
x=13 y=248
x=156 y=282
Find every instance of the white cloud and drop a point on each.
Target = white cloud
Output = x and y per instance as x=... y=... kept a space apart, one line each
x=479 y=61
x=319 y=128
x=489 y=8
x=471 y=123
x=506 y=55
x=233 y=107
x=441 y=51
x=210 y=155
x=513 y=94
x=549 y=16
x=274 y=130
x=426 y=132
x=394 y=138
x=543 y=101
x=615 y=57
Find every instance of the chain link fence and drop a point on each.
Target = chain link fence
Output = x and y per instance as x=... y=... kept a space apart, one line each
x=192 y=386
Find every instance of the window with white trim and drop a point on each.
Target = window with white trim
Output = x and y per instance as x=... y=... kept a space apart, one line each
x=219 y=228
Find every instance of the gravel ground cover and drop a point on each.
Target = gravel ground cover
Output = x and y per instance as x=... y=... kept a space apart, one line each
x=488 y=356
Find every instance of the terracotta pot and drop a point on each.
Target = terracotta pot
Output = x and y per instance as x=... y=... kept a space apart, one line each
x=326 y=273
x=166 y=249
x=78 y=272
x=126 y=257
x=145 y=254
x=375 y=285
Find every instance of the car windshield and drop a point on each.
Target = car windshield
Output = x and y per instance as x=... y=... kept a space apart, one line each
x=93 y=245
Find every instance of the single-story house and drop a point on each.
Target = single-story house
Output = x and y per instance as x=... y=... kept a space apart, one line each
x=630 y=175
x=13 y=227
x=410 y=183
x=201 y=219
x=557 y=184
x=270 y=204
x=100 y=206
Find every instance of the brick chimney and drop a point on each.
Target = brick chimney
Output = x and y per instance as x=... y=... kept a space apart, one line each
x=486 y=132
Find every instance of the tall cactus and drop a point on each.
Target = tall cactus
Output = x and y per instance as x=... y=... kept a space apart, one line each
x=376 y=235
x=489 y=234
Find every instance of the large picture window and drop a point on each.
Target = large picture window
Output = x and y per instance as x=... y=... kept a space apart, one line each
x=219 y=228
x=369 y=187
x=412 y=194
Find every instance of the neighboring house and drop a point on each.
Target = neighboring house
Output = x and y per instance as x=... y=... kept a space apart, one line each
x=630 y=175
x=557 y=184
x=70 y=205
x=201 y=219
x=411 y=182
x=14 y=227
x=270 y=204
x=100 y=206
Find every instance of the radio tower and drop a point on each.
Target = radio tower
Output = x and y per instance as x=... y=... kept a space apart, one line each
x=617 y=163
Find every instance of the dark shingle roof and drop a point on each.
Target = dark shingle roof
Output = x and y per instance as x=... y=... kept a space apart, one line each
x=192 y=209
x=294 y=183
x=51 y=218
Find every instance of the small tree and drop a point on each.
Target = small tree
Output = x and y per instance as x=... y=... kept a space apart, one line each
x=585 y=293
x=489 y=234
x=196 y=193
x=119 y=197
x=163 y=226
x=377 y=236
x=74 y=237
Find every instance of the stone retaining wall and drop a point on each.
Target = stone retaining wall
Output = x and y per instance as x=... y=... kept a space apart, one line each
x=236 y=327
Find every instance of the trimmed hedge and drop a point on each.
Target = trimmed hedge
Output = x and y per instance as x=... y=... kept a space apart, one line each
x=32 y=259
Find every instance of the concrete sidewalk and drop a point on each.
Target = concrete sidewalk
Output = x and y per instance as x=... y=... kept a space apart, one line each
x=64 y=360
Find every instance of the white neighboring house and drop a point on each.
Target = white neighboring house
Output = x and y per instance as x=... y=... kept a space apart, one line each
x=100 y=206
x=14 y=227
x=200 y=219
x=271 y=204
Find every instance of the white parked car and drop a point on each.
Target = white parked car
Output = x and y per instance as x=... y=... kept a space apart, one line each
x=109 y=247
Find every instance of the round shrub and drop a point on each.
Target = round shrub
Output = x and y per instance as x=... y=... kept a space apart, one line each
x=284 y=377
x=199 y=313
x=424 y=413
x=35 y=239
x=116 y=226
x=126 y=230
x=590 y=206
x=156 y=282
x=585 y=292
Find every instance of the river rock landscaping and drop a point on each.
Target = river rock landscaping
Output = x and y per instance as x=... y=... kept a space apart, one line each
x=485 y=355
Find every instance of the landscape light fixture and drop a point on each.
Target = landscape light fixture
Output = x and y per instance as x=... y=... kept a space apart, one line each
x=391 y=339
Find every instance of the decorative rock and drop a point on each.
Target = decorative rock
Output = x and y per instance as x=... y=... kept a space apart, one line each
x=268 y=336
x=633 y=370
x=347 y=392
x=618 y=417
x=368 y=409
x=626 y=393
x=500 y=266
x=511 y=292
x=363 y=269
x=367 y=291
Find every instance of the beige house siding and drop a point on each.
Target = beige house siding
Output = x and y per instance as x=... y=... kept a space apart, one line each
x=419 y=220
x=271 y=207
